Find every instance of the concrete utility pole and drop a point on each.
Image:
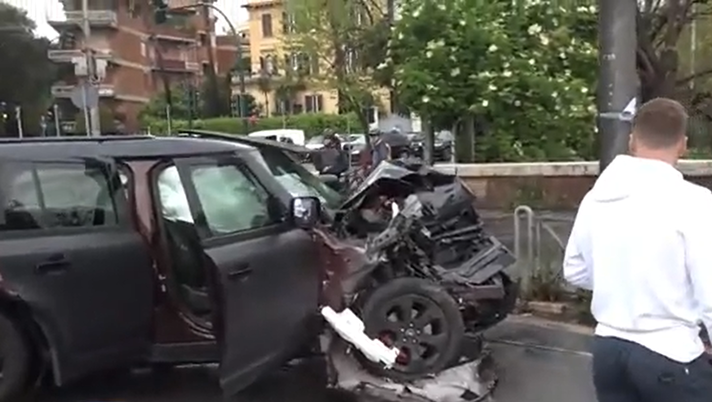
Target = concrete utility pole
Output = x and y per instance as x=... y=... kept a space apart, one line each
x=618 y=77
x=94 y=128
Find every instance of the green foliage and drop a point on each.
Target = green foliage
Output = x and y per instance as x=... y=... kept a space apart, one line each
x=312 y=124
x=26 y=72
x=527 y=71
x=337 y=36
x=181 y=104
x=107 y=120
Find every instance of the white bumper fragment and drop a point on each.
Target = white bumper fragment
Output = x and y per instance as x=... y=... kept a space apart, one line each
x=351 y=329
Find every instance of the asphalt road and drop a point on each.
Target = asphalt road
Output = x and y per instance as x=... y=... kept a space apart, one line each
x=537 y=361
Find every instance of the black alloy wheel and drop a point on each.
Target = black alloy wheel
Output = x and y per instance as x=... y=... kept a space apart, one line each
x=420 y=319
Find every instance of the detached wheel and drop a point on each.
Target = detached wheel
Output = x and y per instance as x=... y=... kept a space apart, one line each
x=419 y=318
x=15 y=358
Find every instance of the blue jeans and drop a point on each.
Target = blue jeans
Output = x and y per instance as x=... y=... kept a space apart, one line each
x=624 y=371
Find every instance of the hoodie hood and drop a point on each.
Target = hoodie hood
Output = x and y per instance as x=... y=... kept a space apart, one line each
x=627 y=175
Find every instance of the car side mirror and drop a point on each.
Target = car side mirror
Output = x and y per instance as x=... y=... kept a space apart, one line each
x=305 y=212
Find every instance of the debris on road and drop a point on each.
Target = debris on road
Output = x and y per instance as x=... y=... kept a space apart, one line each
x=467 y=381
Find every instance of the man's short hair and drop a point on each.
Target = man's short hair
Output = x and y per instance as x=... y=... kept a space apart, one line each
x=660 y=123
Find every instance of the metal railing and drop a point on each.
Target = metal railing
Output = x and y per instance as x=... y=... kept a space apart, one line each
x=98 y=17
x=539 y=245
x=69 y=55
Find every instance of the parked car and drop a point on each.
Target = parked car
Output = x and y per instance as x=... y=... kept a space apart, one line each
x=442 y=145
x=434 y=257
x=315 y=143
x=117 y=251
x=355 y=144
x=288 y=135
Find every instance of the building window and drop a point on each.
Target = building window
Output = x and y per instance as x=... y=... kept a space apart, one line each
x=351 y=60
x=268 y=65
x=267 y=26
x=287 y=23
x=314 y=103
x=314 y=64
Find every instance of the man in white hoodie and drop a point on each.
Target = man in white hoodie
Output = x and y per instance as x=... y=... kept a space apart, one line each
x=642 y=242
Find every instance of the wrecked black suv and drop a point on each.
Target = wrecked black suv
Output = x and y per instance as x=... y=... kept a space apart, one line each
x=116 y=251
x=407 y=252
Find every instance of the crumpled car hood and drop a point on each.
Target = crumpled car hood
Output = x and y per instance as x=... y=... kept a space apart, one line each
x=394 y=174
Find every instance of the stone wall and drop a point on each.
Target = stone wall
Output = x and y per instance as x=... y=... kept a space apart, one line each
x=547 y=185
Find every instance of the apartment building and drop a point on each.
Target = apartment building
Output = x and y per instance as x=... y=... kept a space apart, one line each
x=227 y=51
x=271 y=65
x=138 y=54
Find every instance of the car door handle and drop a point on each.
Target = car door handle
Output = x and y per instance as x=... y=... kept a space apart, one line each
x=241 y=271
x=54 y=264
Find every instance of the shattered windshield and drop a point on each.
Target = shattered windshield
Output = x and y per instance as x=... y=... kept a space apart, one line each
x=297 y=179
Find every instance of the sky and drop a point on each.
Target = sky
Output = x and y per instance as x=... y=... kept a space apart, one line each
x=42 y=10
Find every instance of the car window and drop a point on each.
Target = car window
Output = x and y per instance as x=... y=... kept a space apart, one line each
x=174 y=201
x=297 y=179
x=54 y=195
x=231 y=199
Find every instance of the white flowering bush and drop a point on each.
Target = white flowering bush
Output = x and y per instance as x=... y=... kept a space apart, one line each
x=527 y=70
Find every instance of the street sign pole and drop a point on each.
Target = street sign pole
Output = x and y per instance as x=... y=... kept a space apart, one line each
x=18 y=117
x=57 y=129
x=87 y=119
x=91 y=69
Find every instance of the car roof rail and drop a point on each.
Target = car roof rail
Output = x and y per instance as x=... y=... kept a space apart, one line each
x=243 y=139
x=102 y=138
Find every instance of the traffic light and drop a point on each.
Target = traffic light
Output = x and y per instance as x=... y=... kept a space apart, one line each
x=160 y=11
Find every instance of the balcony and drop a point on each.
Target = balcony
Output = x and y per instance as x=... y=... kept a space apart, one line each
x=177 y=66
x=97 y=18
x=65 y=91
x=69 y=55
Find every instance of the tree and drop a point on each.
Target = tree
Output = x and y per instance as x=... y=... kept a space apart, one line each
x=330 y=33
x=181 y=102
x=180 y=105
x=661 y=25
x=264 y=84
x=522 y=74
x=26 y=71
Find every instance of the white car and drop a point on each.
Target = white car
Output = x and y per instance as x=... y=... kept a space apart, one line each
x=289 y=135
x=315 y=143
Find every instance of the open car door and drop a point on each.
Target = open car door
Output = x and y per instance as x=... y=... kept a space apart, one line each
x=268 y=274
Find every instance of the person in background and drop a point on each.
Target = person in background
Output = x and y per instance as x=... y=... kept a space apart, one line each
x=332 y=158
x=380 y=150
x=641 y=243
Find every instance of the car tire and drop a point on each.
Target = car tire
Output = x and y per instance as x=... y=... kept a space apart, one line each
x=15 y=355
x=426 y=349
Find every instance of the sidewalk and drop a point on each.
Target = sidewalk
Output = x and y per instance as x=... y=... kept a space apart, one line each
x=541 y=361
